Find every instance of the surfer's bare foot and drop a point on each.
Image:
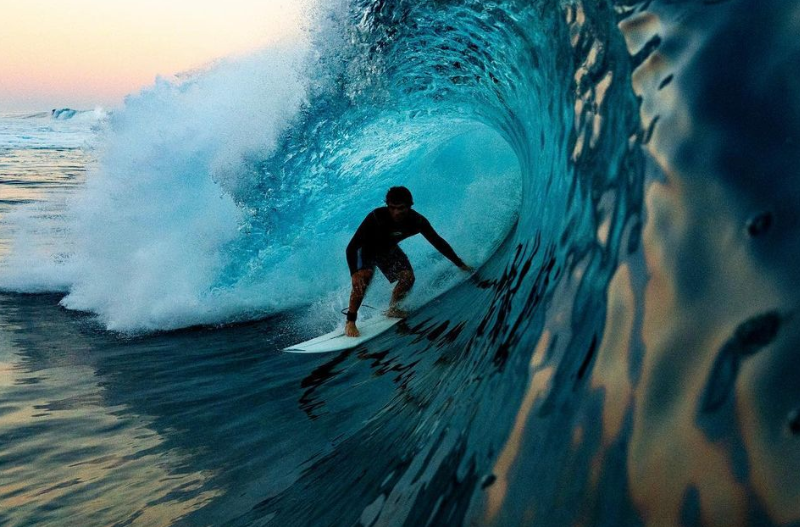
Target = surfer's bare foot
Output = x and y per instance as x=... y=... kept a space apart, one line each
x=351 y=330
x=396 y=312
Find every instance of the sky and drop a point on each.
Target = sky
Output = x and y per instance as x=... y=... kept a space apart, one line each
x=87 y=53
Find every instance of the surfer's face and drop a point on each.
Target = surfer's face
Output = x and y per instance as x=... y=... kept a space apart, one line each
x=398 y=211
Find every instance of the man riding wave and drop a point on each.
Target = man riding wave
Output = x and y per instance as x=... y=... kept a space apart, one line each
x=375 y=244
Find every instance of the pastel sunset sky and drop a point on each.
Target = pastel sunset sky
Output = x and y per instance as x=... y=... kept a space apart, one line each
x=87 y=53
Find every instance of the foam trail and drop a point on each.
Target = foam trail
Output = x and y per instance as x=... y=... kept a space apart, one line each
x=148 y=228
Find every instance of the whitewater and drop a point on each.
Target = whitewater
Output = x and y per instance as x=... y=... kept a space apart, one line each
x=620 y=173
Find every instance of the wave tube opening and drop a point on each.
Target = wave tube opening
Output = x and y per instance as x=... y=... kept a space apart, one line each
x=465 y=178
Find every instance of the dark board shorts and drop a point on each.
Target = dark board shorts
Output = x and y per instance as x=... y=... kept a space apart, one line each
x=391 y=262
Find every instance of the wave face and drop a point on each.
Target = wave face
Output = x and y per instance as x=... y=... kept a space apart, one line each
x=624 y=354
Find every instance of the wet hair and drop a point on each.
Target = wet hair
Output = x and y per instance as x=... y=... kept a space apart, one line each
x=399 y=195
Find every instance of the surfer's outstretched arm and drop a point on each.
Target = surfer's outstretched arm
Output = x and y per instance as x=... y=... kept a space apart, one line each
x=442 y=246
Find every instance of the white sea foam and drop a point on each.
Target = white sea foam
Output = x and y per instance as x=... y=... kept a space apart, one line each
x=146 y=231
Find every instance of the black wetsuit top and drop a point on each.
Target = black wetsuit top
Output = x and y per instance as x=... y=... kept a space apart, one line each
x=379 y=234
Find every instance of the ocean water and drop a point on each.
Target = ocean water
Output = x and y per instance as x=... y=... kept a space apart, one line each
x=620 y=173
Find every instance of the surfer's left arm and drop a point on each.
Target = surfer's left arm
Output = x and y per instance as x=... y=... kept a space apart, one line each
x=442 y=246
x=357 y=241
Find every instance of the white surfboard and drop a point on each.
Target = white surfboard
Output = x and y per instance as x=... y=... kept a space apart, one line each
x=337 y=341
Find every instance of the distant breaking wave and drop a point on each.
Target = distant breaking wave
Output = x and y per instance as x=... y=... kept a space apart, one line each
x=63 y=114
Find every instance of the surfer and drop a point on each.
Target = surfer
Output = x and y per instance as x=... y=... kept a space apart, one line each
x=375 y=245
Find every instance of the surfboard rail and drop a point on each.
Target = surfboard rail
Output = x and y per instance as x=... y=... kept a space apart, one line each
x=336 y=340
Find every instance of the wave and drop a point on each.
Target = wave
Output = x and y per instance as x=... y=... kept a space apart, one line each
x=63 y=114
x=230 y=193
x=627 y=346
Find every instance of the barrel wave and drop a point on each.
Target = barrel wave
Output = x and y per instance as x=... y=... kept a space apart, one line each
x=620 y=173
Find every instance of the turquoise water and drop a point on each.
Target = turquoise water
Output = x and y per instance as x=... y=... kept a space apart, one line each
x=620 y=173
